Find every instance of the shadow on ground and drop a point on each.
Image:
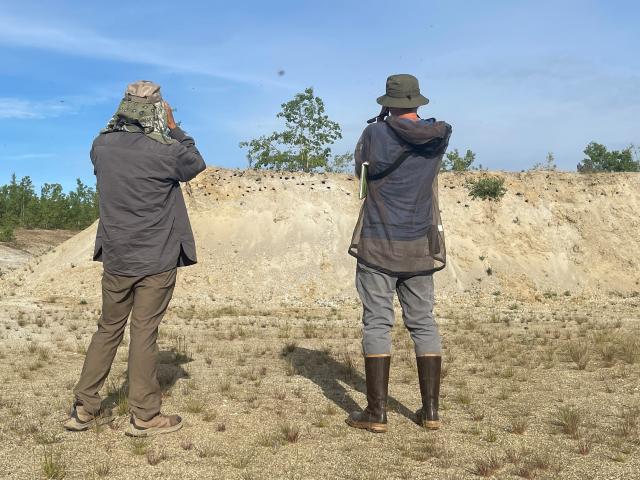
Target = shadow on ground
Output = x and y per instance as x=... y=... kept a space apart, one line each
x=327 y=373
x=169 y=372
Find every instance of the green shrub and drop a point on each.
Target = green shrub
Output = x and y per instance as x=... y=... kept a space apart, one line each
x=6 y=234
x=487 y=188
x=599 y=159
x=453 y=162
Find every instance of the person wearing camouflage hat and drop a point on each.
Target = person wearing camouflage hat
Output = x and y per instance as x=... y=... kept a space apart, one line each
x=399 y=243
x=143 y=235
x=142 y=110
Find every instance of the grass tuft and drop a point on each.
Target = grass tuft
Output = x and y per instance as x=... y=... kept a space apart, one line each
x=569 y=419
x=579 y=353
x=290 y=432
x=53 y=467
x=488 y=465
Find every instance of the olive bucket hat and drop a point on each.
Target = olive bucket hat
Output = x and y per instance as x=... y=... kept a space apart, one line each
x=403 y=91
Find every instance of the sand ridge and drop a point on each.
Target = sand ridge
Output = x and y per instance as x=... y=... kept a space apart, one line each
x=282 y=237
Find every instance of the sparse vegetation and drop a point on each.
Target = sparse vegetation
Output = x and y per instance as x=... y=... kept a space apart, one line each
x=487 y=465
x=53 y=467
x=454 y=162
x=194 y=405
x=139 y=446
x=279 y=382
x=155 y=456
x=290 y=432
x=549 y=164
x=599 y=159
x=519 y=424
x=487 y=188
x=579 y=353
x=569 y=419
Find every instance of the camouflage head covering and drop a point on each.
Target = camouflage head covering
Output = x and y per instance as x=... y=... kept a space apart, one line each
x=141 y=110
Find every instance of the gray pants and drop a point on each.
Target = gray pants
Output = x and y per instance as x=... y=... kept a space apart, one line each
x=415 y=293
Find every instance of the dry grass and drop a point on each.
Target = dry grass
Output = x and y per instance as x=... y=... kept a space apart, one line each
x=487 y=465
x=580 y=354
x=290 y=432
x=53 y=467
x=155 y=456
x=569 y=419
x=259 y=391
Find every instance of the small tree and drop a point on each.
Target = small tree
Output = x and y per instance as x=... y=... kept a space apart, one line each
x=342 y=163
x=599 y=159
x=305 y=142
x=455 y=163
x=487 y=188
x=549 y=164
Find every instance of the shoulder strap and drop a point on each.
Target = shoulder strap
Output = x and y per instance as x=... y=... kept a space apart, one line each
x=406 y=153
x=394 y=166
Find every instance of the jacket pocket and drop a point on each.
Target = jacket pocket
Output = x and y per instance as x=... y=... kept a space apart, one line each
x=434 y=240
x=97 y=250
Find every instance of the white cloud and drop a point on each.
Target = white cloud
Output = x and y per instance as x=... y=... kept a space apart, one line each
x=21 y=109
x=77 y=41
x=26 y=157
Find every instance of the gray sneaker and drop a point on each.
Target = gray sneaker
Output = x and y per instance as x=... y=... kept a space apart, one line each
x=81 y=420
x=155 y=426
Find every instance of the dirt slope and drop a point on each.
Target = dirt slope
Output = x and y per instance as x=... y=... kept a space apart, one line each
x=282 y=239
x=29 y=244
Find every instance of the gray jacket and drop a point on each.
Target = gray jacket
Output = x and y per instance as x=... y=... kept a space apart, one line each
x=144 y=228
x=399 y=229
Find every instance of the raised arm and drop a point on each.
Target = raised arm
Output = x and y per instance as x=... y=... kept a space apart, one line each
x=189 y=162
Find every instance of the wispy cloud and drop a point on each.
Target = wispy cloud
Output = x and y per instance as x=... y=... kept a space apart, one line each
x=28 y=156
x=22 y=109
x=77 y=41
x=26 y=109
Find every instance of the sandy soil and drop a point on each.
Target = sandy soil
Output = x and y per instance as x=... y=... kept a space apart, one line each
x=265 y=393
x=260 y=349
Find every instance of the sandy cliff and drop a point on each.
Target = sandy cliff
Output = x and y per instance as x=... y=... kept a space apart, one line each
x=272 y=238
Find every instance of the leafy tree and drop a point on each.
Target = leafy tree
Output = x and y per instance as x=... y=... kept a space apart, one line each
x=599 y=159
x=20 y=206
x=305 y=142
x=454 y=162
x=53 y=206
x=84 y=203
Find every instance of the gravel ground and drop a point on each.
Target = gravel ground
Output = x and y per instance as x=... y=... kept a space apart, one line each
x=264 y=394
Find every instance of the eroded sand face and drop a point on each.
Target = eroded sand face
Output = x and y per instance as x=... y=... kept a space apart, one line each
x=282 y=238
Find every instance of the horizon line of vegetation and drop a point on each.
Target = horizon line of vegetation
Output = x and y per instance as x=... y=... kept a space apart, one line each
x=304 y=145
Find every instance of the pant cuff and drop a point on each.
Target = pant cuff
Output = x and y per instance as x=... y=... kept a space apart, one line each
x=376 y=355
x=144 y=417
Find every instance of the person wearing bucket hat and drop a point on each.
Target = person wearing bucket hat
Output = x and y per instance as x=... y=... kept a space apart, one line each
x=143 y=235
x=398 y=242
x=403 y=91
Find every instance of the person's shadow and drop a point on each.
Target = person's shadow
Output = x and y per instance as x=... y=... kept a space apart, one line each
x=169 y=372
x=327 y=373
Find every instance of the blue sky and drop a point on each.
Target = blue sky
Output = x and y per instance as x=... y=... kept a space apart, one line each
x=516 y=79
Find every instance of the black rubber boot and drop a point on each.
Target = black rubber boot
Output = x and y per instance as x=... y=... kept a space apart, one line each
x=374 y=417
x=429 y=368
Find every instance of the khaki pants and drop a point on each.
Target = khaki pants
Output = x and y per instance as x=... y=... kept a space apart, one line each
x=146 y=300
